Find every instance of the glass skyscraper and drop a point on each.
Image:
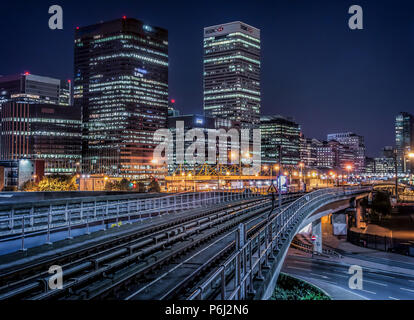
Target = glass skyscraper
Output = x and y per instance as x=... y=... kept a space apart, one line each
x=232 y=73
x=404 y=140
x=279 y=131
x=121 y=84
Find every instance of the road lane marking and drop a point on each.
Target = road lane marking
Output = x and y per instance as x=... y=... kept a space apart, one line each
x=289 y=267
x=366 y=291
x=381 y=284
x=379 y=274
x=409 y=290
x=319 y=275
x=335 y=275
x=392 y=298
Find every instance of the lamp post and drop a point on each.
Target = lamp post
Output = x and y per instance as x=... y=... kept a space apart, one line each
x=348 y=168
x=301 y=165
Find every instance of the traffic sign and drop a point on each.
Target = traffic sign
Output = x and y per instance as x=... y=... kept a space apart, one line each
x=272 y=189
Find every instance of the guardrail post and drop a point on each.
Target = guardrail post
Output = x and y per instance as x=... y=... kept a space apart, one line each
x=48 y=242
x=81 y=211
x=117 y=213
x=87 y=224
x=69 y=226
x=11 y=221
x=223 y=283
x=32 y=216
x=23 y=249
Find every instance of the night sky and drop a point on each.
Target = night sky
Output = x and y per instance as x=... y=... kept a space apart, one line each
x=314 y=68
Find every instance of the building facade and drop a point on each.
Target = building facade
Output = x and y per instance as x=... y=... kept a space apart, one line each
x=207 y=125
x=404 y=141
x=42 y=132
x=334 y=155
x=121 y=84
x=279 y=132
x=356 y=145
x=29 y=88
x=232 y=73
x=308 y=151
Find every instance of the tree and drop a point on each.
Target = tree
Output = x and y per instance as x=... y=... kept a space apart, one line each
x=125 y=185
x=154 y=186
x=58 y=183
x=29 y=186
x=140 y=187
x=381 y=204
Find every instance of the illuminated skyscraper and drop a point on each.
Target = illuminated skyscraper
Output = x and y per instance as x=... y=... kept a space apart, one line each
x=232 y=73
x=121 y=83
x=404 y=140
x=279 y=131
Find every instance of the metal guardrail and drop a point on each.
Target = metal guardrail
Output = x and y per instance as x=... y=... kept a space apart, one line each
x=251 y=257
x=17 y=221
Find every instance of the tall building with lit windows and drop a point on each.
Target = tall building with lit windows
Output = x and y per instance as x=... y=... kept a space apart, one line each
x=356 y=145
x=30 y=88
x=232 y=73
x=280 y=132
x=121 y=84
x=47 y=132
x=404 y=141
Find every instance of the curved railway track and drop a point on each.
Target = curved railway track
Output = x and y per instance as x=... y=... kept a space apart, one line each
x=126 y=266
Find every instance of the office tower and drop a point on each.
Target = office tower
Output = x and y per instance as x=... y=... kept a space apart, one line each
x=334 y=155
x=404 y=141
x=232 y=73
x=29 y=88
x=42 y=132
x=121 y=84
x=356 y=145
x=279 y=131
x=207 y=125
x=308 y=155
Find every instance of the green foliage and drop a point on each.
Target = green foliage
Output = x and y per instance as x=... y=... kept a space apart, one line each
x=140 y=187
x=381 y=204
x=29 y=186
x=124 y=185
x=154 y=186
x=289 y=288
x=57 y=183
x=51 y=183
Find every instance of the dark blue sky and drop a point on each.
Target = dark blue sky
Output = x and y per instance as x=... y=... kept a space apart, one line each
x=314 y=69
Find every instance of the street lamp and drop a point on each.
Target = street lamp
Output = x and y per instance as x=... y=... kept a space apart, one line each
x=348 y=168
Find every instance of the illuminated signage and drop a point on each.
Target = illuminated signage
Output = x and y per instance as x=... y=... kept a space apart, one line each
x=219 y=29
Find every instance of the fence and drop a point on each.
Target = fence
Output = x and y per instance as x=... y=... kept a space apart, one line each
x=21 y=220
x=382 y=243
x=252 y=256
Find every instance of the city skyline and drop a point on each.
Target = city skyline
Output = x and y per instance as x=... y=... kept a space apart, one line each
x=338 y=88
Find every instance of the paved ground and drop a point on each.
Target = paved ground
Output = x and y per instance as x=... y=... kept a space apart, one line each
x=332 y=276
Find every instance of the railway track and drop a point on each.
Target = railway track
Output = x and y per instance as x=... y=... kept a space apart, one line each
x=175 y=279
x=135 y=262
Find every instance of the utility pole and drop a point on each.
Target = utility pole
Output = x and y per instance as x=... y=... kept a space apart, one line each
x=279 y=185
x=396 y=175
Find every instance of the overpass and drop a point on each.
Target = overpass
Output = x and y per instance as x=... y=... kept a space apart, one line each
x=257 y=261
x=223 y=245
